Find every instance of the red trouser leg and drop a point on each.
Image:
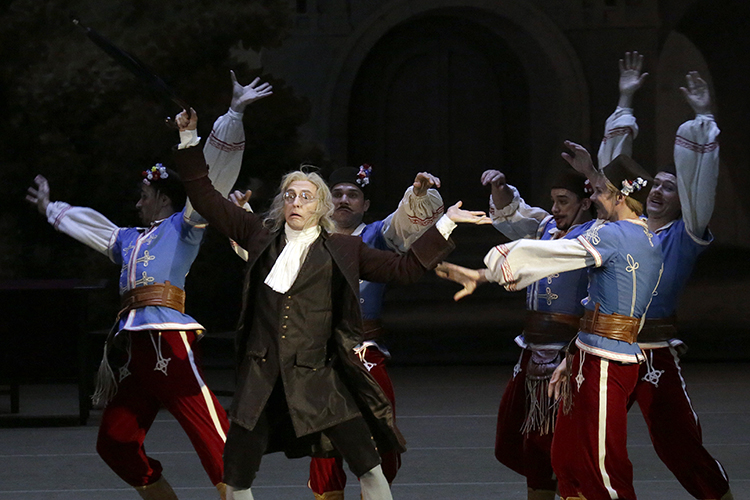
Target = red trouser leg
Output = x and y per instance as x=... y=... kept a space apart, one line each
x=125 y=422
x=589 y=453
x=526 y=454
x=327 y=474
x=182 y=391
x=674 y=426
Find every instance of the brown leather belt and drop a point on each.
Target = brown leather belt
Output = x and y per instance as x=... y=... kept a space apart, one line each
x=658 y=329
x=158 y=294
x=372 y=329
x=548 y=327
x=612 y=326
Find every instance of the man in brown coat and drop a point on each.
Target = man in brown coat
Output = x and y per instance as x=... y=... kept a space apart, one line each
x=301 y=388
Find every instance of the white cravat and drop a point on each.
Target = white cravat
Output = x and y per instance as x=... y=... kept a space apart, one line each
x=286 y=268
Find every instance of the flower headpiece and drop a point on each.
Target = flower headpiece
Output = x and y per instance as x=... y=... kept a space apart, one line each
x=629 y=187
x=363 y=176
x=588 y=188
x=155 y=173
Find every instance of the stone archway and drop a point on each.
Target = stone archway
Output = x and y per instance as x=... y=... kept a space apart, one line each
x=557 y=107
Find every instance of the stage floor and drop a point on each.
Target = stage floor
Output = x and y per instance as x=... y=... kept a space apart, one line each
x=446 y=414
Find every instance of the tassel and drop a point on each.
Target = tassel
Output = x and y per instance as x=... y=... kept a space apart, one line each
x=541 y=410
x=566 y=396
x=106 y=385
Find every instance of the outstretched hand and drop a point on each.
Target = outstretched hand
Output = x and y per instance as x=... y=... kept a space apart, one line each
x=495 y=178
x=468 y=278
x=187 y=121
x=580 y=159
x=424 y=181
x=239 y=198
x=697 y=94
x=244 y=95
x=457 y=215
x=557 y=380
x=631 y=78
x=40 y=195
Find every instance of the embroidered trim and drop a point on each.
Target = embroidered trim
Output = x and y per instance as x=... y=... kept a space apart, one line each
x=615 y=132
x=694 y=146
x=161 y=361
x=225 y=146
x=591 y=250
x=429 y=220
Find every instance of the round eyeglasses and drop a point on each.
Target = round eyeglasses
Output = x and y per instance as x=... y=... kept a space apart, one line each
x=305 y=197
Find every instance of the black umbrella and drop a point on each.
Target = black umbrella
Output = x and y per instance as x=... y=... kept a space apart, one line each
x=134 y=65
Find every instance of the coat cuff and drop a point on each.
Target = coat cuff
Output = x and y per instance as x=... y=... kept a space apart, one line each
x=432 y=248
x=190 y=163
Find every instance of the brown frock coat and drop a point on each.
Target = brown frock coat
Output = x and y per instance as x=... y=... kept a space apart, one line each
x=307 y=335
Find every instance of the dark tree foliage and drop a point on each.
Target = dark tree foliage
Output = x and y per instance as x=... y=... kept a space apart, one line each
x=75 y=116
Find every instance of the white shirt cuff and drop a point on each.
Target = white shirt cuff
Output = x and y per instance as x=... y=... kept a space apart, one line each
x=446 y=226
x=188 y=138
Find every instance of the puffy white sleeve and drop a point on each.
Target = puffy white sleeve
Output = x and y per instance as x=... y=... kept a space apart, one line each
x=85 y=225
x=517 y=220
x=696 y=159
x=223 y=152
x=619 y=132
x=520 y=263
x=414 y=216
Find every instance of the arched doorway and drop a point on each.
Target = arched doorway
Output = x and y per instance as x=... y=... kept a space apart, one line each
x=441 y=94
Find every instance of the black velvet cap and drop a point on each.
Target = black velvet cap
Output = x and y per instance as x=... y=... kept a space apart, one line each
x=629 y=178
x=360 y=177
x=569 y=179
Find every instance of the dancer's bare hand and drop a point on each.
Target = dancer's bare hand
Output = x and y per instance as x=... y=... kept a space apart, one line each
x=495 y=178
x=40 y=195
x=424 y=181
x=580 y=159
x=244 y=95
x=697 y=94
x=468 y=278
x=239 y=198
x=557 y=379
x=457 y=215
x=187 y=121
x=631 y=78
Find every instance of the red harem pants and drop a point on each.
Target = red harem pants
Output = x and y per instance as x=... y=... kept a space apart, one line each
x=589 y=453
x=327 y=474
x=526 y=454
x=674 y=427
x=140 y=394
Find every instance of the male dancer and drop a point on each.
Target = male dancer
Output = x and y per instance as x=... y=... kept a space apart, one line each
x=153 y=336
x=419 y=209
x=679 y=208
x=526 y=417
x=589 y=454
x=300 y=385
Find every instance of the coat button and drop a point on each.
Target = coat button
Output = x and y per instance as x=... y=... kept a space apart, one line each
x=283 y=337
x=286 y=317
x=361 y=301
x=287 y=307
x=283 y=326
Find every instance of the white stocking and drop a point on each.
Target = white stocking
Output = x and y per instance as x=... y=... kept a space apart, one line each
x=374 y=485
x=233 y=494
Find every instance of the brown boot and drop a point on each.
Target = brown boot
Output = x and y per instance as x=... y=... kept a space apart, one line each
x=540 y=494
x=159 y=490
x=330 y=495
x=222 y=488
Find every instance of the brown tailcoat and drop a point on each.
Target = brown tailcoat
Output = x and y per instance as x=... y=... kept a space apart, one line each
x=316 y=324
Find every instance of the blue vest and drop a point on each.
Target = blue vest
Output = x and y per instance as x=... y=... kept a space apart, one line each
x=680 y=252
x=370 y=293
x=163 y=252
x=628 y=268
